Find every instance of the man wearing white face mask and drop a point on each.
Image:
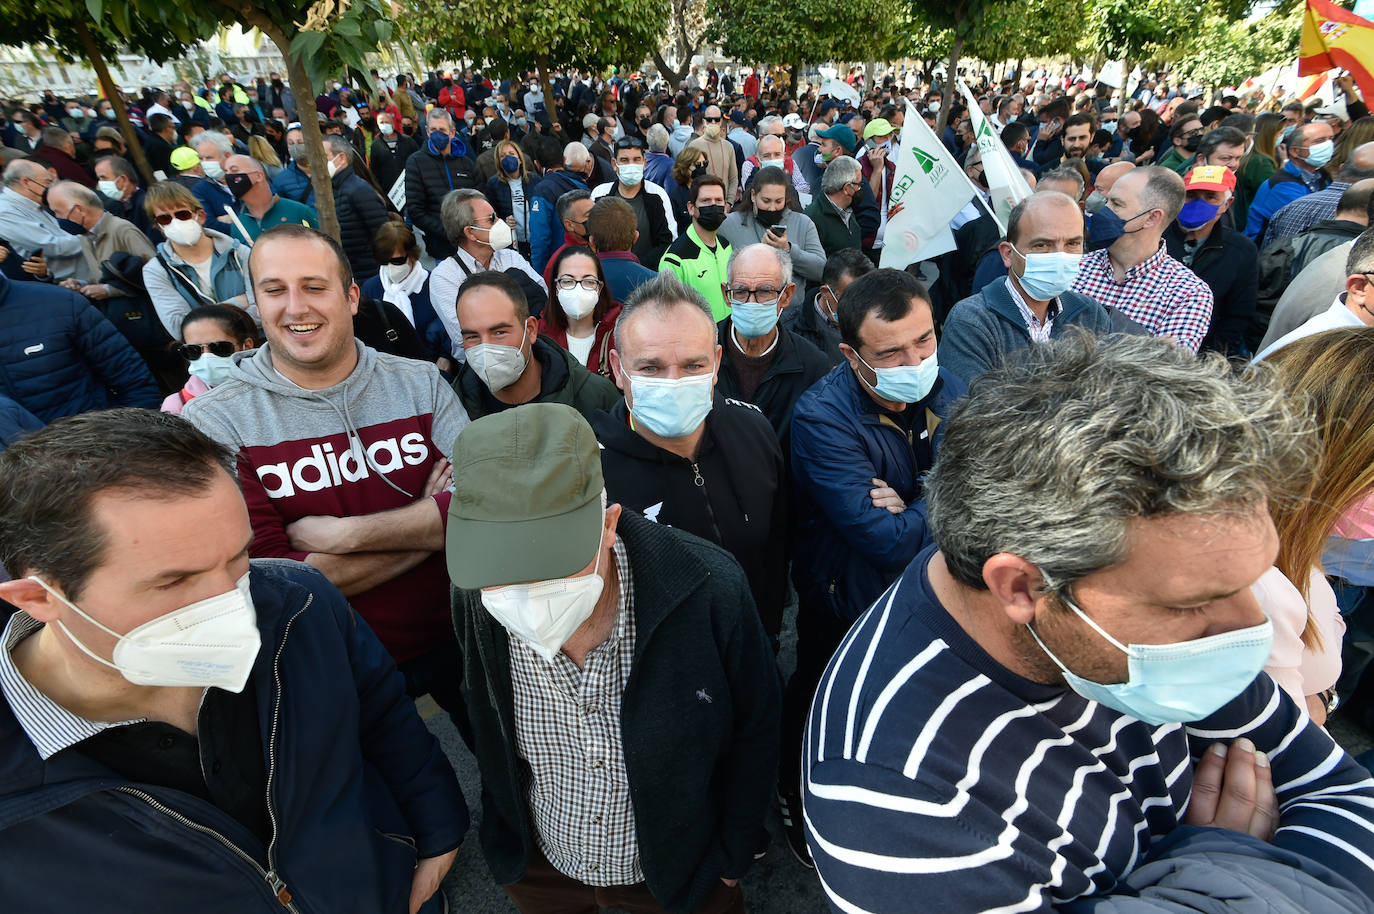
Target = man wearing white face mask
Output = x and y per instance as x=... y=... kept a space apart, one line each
x=185 y=717
x=684 y=455
x=361 y=210
x=483 y=242
x=214 y=149
x=624 y=695
x=654 y=219
x=1024 y=722
x=1034 y=303
x=509 y=363
x=863 y=439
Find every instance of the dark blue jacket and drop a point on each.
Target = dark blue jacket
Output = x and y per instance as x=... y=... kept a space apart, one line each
x=213 y=199
x=15 y=421
x=358 y=789
x=59 y=356
x=293 y=184
x=546 y=229
x=427 y=323
x=847 y=550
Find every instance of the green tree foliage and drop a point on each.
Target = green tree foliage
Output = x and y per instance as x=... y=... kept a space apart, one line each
x=1036 y=28
x=1225 y=53
x=796 y=32
x=966 y=20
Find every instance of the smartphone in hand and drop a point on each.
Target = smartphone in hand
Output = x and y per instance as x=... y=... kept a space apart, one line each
x=778 y=231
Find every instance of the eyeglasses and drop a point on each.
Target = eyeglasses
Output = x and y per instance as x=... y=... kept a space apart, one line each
x=397 y=261
x=566 y=283
x=757 y=296
x=192 y=351
x=185 y=215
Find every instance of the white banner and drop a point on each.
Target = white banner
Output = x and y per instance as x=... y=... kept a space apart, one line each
x=1006 y=185
x=838 y=88
x=932 y=188
x=397 y=194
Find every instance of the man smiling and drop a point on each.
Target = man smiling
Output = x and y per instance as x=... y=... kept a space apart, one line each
x=343 y=452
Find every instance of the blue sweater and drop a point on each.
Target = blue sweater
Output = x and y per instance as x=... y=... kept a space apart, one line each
x=933 y=772
x=985 y=328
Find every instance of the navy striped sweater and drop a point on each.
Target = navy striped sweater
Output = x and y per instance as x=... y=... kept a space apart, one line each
x=937 y=780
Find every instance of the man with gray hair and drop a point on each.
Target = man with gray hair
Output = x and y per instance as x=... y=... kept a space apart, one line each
x=32 y=230
x=361 y=210
x=441 y=165
x=1303 y=213
x=262 y=207
x=658 y=165
x=108 y=234
x=1352 y=308
x=1132 y=271
x=679 y=452
x=1062 y=697
x=762 y=362
x=832 y=210
x=1309 y=148
x=481 y=241
x=214 y=149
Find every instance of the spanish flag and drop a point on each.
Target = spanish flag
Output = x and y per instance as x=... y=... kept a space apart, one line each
x=1335 y=37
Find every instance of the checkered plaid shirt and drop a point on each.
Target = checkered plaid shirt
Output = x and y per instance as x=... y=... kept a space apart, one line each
x=1304 y=212
x=1159 y=293
x=567 y=730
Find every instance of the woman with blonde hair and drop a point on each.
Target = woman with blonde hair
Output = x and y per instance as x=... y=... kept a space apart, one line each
x=1331 y=370
x=1351 y=138
x=1258 y=164
x=510 y=191
x=261 y=149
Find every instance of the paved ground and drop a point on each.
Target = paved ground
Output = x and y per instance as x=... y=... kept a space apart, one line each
x=778 y=884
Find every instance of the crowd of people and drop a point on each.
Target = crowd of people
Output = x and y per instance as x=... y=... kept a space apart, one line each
x=594 y=389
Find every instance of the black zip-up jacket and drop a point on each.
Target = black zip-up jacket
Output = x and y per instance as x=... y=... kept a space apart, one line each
x=734 y=494
x=796 y=366
x=1229 y=263
x=361 y=212
x=698 y=719
x=429 y=178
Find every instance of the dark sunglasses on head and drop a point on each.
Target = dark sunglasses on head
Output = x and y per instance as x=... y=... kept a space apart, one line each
x=629 y=142
x=192 y=351
x=182 y=214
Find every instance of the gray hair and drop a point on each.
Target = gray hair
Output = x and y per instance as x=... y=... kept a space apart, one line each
x=1052 y=455
x=567 y=199
x=1360 y=259
x=20 y=169
x=338 y=145
x=768 y=123
x=784 y=261
x=842 y=170
x=771 y=139
x=1163 y=190
x=1064 y=173
x=216 y=139
x=658 y=138
x=76 y=193
x=575 y=155
x=455 y=212
x=661 y=294
x=439 y=114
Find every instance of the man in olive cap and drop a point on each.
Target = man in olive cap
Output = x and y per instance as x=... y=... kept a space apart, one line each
x=622 y=691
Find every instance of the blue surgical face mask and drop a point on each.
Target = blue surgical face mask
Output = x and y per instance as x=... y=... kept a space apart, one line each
x=1109 y=126
x=212 y=369
x=631 y=175
x=671 y=407
x=1050 y=275
x=903 y=383
x=1287 y=131
x=1175 y=683
x=1320 y=154
x=1197 y=213
x=753 y=319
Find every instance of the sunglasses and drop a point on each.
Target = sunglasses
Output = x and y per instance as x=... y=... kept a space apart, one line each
x=397 y=261
x=166 y=219
x=712 y=120
x=192 y=351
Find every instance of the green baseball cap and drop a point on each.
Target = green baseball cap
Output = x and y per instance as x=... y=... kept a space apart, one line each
x=526 y=504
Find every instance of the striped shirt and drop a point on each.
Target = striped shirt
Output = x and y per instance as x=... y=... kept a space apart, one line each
x=1303 y=213
x=50 y=727
x=1159 y=293
x=933 y=772
x=567 y=731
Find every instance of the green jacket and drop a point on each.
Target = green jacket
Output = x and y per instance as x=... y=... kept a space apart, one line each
x=1175 y=162
x=565 y=380
x=700 y=267
x=835 y=235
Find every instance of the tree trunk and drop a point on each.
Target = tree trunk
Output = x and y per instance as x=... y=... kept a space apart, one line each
x=305 y=100
x=116 y=97
x=671 y=76
x=950 y=76
x=1121 y=103
x=1018 y=79
x=541 y=68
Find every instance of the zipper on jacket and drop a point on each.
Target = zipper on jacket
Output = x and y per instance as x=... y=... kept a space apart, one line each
x=271 y=878
x=277 y=883
x=710 y=514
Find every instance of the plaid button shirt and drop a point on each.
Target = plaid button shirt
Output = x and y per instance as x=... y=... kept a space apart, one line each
x=1304 y=212
x=567 y=730
x=1159 y=293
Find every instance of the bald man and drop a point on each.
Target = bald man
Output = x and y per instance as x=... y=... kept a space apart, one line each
x=262 y=208
x=32 y=230
x=1031 y=304
x=1103 y=185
